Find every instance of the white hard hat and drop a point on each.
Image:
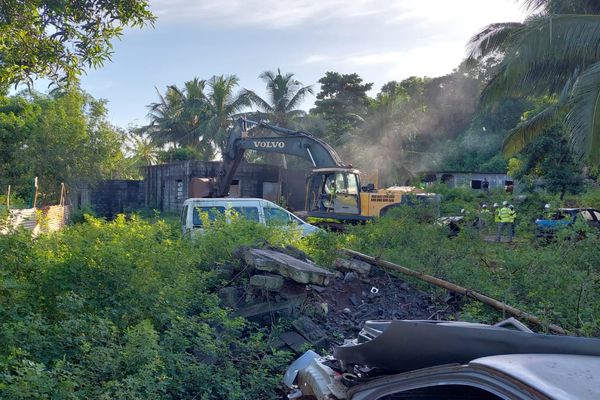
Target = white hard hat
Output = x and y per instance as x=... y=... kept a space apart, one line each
x=504 y=203
x=484 y=206
x=511 y=206
x=546 y=205
x=495 y=204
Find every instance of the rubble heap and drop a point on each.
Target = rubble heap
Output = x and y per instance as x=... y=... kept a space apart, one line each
x=325 y=305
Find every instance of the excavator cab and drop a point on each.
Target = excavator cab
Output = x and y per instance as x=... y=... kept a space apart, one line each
x=333 y=191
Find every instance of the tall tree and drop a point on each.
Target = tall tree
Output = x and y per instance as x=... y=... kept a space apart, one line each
x=223 y=104
x=58 y=39
x=285 y=94
x=178 y=118
x=552 y=53
x=549 y=163
x=141 y=148
x=343 y=102
x=63 y=137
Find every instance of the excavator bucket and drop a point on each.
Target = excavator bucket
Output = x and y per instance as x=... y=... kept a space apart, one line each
x=200 y=187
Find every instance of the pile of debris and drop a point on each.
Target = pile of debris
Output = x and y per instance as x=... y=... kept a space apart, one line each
x=325 y=305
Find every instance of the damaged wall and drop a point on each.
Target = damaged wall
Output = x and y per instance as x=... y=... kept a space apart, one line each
x=167 y=186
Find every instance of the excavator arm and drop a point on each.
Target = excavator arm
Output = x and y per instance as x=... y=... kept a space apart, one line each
x=286 y=141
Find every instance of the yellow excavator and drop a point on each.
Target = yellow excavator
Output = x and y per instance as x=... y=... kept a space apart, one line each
x=334 y=192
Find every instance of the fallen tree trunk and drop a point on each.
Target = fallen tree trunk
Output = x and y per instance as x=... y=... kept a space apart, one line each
x=456 y=289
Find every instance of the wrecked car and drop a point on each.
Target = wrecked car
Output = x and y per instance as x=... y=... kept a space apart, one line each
x=405 y=359
x=564 y=218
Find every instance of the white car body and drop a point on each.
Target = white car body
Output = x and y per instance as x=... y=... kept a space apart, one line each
x=259 y=210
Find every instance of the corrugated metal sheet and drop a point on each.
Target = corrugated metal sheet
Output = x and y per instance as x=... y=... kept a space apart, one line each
x=38 y=220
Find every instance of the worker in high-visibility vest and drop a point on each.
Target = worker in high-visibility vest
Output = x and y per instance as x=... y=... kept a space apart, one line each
x=496 y=212
x=504 y=214
x=512 y=215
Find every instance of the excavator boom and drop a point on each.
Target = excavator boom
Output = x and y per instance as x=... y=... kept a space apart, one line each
x=286 y=141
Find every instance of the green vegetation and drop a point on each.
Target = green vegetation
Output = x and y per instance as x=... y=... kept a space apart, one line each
x=128 y=310
x=63 y=137
x=550 y=54
x=558 y=281
x=59 y=39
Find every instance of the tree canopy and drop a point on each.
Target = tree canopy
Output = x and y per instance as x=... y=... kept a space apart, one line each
x=64 y=137
x=343 y=102
x=59 y=39
x=284 y=95
x=553 y=53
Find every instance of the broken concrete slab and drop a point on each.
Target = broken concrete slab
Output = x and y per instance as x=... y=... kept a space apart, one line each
x=287 y=266
x=295 y=341
x=310 y=330
x=362 y=268
x=268 y=307
x=272 y=283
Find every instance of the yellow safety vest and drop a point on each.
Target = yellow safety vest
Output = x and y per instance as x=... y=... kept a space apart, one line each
x=505 y=214
x=497 y=215
x=512 y=215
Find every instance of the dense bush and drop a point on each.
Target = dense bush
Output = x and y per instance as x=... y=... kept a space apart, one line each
x=126 y=310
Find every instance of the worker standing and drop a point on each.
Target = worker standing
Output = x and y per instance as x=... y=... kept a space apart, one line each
x=483 y=217
x=512 y=215
x=504 y=217
x=496 y=213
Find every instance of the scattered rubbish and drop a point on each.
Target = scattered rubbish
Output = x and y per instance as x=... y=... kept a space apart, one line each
x=324 y=306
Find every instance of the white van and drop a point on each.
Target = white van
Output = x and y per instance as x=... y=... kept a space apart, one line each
x=259 y=210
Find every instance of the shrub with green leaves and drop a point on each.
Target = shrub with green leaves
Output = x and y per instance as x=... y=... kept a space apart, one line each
x=125 y=309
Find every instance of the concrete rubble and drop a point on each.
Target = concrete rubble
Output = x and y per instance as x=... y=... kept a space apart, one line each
x=324 y=306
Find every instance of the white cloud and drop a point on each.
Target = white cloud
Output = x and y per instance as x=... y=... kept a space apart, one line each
x=278 y=14
x=316 y=59
x=391 y=57
x=265 y=14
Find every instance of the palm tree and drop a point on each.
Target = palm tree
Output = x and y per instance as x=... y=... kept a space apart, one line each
x=143 y=150
x=178 y=116
x=222 y=104
x=553 y=53
x=285 y=94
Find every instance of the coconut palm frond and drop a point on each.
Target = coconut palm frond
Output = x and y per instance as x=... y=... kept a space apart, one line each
x=583 y=120
x=528 y=130
x=535 y=5
x=542 y=55
x=298 y=98
x=492 y=38
x=556 y=39
x=258 y=101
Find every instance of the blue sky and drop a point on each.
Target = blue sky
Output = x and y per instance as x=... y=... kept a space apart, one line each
x=381 y=40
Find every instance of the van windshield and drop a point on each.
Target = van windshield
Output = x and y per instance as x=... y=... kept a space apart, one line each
x=211 y=212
